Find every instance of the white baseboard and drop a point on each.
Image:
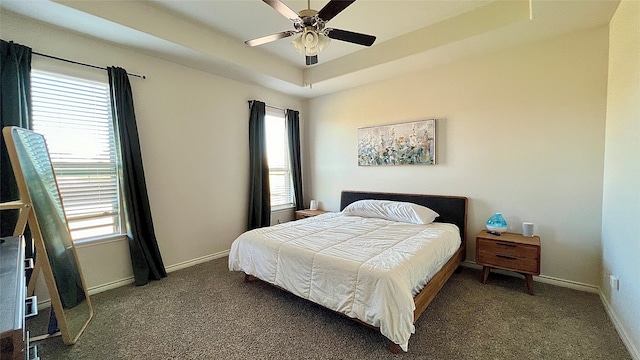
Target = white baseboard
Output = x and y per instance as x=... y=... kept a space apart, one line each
x=200 y=260
x=631 y=346
x=110 y=285
x=543 y=279
x=94 y=290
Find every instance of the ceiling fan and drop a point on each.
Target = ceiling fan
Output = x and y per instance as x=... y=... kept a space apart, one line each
x=310 y=24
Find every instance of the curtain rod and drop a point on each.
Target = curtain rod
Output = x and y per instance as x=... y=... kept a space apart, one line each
x=270 y=106
x=275 y=107
x=83 y=64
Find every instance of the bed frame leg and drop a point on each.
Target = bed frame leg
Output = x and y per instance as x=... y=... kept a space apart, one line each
x=248 y=278
x=394 y=348
x=458 y=270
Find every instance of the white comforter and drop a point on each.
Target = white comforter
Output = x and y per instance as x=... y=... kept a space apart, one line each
x=366 y=268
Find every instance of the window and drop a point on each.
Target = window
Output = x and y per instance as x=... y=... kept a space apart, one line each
x=74 y=116
x=278 y=157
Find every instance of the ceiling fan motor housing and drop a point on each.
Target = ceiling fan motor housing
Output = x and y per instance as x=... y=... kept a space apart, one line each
x=309 y=17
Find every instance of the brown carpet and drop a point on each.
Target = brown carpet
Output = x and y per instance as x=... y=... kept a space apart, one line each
x=207 y=312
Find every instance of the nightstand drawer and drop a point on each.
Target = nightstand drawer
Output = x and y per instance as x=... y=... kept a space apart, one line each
x=509 y=251
x=508 y=262
x=508 y=248
x=303 y=214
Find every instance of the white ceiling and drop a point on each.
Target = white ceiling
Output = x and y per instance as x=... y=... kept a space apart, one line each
x=250 y=19
x=411 y=34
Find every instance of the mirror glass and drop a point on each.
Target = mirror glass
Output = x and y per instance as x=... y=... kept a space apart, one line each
x=70 y=300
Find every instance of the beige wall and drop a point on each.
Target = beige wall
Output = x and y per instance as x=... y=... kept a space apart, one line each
x=194 y=133
x=519 y=132
x=621 y=198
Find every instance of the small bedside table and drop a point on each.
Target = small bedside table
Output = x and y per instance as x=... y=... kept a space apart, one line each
x=509 y=251
x=307 y=213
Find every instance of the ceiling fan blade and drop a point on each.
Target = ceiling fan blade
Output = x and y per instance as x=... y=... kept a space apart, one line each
x=269 y=38
x=283 y=9
x=333 y=8
x=312 y=60
x=350 y=36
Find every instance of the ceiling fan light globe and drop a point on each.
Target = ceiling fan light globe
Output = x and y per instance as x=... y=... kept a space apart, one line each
x=298 y=45
x=323 y=41
x=309 y=39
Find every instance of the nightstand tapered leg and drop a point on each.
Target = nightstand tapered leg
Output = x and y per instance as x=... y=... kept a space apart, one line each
x=529 y=283
x=485 y=274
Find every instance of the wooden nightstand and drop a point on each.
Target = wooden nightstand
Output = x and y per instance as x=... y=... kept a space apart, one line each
x=303 y=214
x=509 y=251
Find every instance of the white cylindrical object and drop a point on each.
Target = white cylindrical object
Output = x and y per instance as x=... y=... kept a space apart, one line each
x=313 y=205
x=527 y=229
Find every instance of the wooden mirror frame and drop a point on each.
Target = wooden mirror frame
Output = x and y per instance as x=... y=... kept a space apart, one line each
x=48 y=238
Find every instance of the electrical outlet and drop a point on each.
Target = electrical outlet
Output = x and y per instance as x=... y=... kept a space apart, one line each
x=614 y=282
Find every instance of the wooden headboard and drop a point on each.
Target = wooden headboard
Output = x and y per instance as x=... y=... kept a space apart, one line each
x=452 y=209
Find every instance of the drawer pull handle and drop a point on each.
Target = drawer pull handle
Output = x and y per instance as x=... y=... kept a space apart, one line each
x=507 y=245
x=32 y=349
x=507 y=257
x=31 y=306
x=33 y=352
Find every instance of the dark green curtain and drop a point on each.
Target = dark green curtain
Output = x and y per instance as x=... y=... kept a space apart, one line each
x=259 y=192
x=145 y=254
x=15 y=110
x=293 y=132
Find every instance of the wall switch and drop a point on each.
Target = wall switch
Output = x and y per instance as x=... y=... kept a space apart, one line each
x=614 y=282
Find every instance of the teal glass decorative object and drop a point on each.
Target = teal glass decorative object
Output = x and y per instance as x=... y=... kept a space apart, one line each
x=496 y=224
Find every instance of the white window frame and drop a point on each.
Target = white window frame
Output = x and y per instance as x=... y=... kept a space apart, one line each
x=66 y=162
x=283 y=168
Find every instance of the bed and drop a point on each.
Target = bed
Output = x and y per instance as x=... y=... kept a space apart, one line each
x=375 y=271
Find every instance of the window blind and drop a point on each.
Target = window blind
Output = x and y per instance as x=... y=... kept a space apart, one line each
x=278 y=157
x=74 y=115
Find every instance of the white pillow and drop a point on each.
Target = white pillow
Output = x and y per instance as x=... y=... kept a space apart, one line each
x=391 y=210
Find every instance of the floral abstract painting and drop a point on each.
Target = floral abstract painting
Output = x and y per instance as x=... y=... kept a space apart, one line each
x=398 y=144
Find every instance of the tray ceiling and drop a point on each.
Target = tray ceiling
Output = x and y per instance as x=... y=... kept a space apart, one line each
x=411 y=34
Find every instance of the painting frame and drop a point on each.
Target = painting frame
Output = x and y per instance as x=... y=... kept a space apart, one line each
x=406 y=143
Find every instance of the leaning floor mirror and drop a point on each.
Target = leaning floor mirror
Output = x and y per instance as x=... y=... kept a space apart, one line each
x=56 y=256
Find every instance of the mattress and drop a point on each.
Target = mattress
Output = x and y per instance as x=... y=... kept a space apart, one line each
x=365 y=268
